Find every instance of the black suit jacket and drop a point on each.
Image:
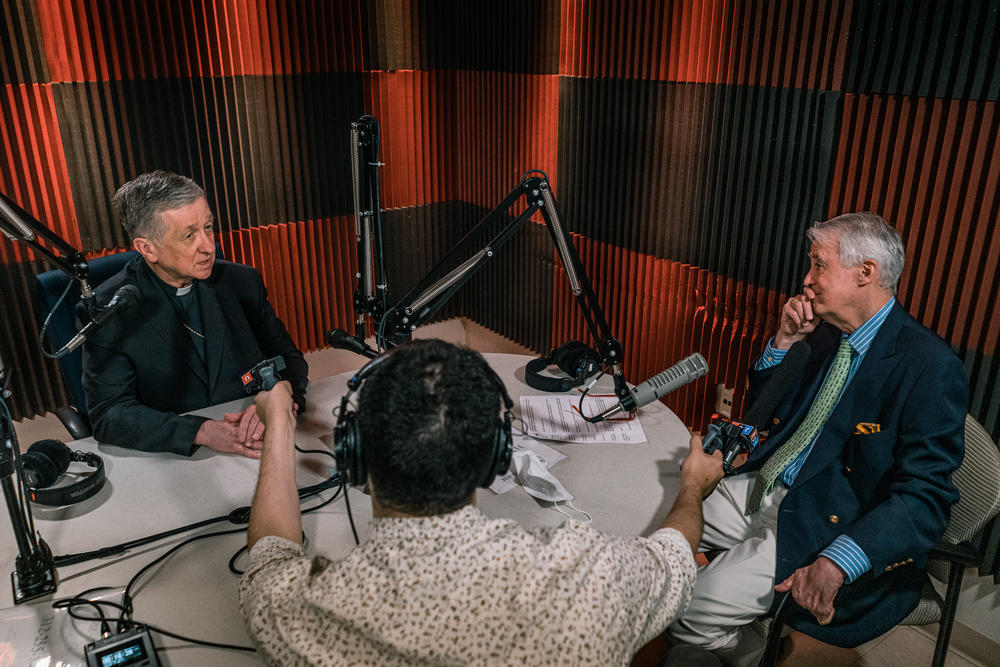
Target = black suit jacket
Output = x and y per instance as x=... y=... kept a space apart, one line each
x=141 y=369
x=889 y=490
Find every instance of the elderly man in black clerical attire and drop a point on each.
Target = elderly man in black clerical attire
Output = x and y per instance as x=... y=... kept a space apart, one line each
x=201 y=323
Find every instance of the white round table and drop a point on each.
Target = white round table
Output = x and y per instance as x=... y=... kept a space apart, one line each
x=627 y=488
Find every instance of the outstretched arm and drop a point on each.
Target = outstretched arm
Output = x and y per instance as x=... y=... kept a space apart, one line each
x=699 y=476
x=275 y=509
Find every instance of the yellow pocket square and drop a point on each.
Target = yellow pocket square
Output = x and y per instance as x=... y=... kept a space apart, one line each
x=864 y=428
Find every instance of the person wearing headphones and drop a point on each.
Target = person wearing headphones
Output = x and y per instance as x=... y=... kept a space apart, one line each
x=437 y=581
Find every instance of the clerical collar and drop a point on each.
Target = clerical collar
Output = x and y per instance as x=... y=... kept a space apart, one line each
x=184 y=291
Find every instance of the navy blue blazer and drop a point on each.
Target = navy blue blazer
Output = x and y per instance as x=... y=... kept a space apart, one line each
x=889 y=490
x=141 y=368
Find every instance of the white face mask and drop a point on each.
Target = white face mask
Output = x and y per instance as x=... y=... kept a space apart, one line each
x=537 y=481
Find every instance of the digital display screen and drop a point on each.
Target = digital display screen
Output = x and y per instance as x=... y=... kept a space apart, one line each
x=123 y=655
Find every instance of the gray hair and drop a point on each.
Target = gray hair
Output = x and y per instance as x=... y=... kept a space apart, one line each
x=864 y=236
x=139 y=202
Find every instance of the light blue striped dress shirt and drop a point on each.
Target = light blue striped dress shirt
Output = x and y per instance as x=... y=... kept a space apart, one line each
x=843 y=551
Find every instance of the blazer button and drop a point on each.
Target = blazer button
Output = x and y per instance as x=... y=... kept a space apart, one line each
x=888 y=568
x=847 y=469
x=834 y=519
x=776 y=421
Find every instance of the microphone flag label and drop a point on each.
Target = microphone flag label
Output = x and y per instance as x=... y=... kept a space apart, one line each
x=247 y=378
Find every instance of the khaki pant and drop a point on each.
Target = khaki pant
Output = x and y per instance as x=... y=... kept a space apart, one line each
x=738 y=585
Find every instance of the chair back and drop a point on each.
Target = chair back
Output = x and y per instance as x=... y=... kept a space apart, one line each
x=49 y=287
x=978 y=482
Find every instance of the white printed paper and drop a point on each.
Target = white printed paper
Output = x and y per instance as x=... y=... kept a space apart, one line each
x=37 y=635
x=555 y=418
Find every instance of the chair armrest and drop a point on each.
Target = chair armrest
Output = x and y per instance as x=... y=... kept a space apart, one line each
x=963 y=553
x=77 y=425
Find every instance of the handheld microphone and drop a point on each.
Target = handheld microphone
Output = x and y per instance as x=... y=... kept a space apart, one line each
x=737 y=437
x=732 y=437
x=264 y=375
x=341 y=340
x=126 y=297
x=686 y=370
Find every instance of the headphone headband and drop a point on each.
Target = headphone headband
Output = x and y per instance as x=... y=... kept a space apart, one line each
x=574 y=358
x=347 y=449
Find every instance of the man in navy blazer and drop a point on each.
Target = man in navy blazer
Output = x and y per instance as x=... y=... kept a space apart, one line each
x=201 y=323
x=858 y=500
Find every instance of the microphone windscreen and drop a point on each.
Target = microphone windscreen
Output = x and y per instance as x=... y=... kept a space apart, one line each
x=125 y=297
x=688 y=369
x=341 y=340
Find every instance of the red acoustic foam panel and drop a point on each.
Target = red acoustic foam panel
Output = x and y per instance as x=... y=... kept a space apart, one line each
x=787 y=43
x=927 y=166
x=92 y=40
x=33 y=169
x=462 y=135
x=308 y=268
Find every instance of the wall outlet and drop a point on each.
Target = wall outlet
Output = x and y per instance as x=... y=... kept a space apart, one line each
x=724 y=401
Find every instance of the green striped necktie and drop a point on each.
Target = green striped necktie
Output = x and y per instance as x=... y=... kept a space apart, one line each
x=819 y=412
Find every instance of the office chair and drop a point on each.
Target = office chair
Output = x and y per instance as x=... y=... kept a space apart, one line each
x=49 y=286
x=978 y=482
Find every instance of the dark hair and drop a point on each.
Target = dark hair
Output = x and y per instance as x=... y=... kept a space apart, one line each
x=428 y=417
x=139 y=202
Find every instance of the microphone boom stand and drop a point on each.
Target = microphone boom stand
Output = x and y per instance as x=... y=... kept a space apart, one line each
x=395 y=325
x=34 y=573
x=441 y=284
x=370 y=295
x=18 y=225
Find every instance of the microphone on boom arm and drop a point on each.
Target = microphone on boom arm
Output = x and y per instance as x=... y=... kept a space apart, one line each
x=737 y=437
x=686 y=370
x=126 y=297
x=341 y=340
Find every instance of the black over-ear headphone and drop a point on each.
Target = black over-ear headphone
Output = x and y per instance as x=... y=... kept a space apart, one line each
x=46 y=460
x=347 y=433
x=573 y=358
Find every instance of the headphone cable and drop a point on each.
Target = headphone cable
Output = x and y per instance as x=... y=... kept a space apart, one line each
x=350 y=517
x=127 y=594
x=240 y=515
x=78 y=601
x=241 y=550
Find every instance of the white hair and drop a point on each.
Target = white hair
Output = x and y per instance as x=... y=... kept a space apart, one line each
x=864 y=236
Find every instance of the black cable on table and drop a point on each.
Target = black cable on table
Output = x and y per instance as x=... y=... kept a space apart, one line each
x=69 y=604
x=241 y=550
x=238 y=516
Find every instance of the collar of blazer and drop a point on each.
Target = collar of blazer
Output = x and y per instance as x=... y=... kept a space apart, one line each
x=867 y=384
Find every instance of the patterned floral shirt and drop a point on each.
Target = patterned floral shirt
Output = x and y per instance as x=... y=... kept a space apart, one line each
x=464 y=589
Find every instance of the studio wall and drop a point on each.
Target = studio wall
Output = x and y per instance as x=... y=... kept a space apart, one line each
x=689 y=145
